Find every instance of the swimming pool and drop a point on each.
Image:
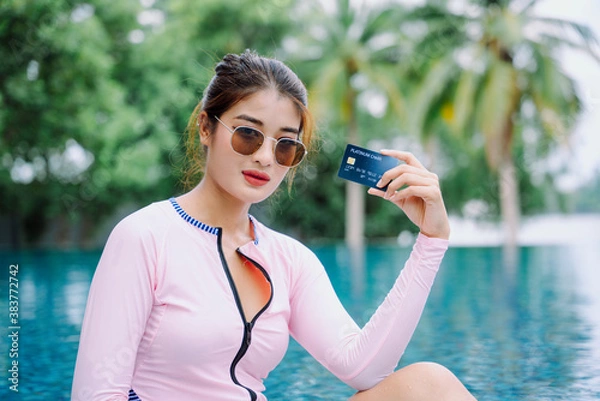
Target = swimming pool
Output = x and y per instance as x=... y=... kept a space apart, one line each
x=522 y=330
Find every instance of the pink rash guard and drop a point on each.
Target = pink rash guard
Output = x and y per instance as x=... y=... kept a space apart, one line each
x=163 y=316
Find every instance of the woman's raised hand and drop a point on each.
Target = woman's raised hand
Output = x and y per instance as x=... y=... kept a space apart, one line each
x=416 y=191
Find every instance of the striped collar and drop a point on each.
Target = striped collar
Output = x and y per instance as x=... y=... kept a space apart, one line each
x=206 y=227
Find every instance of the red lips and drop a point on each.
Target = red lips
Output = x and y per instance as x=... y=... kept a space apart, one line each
x=256 y=178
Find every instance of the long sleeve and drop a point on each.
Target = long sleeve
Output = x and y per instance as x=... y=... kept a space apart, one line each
x=118 y=306
x=363 y=357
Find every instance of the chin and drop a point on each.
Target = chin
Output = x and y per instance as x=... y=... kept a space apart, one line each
x=252 y=195
x=262 y=197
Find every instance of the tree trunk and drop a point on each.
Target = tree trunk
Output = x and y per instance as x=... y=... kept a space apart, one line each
x=509 y=201
x=355 y=193
x=355 y=215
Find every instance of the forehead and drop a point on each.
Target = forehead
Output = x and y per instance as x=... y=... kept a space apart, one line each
x=270 y=107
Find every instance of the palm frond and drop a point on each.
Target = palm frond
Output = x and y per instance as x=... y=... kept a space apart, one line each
x=345 y=12
x=510 y=27
x=435 y=14
x=381 y=20
x=436 y=80
x=436 y=44
x=324 y=90
x=554 y=95
x=383 y=77
x=582 y=31
x=465 y=100
x=549 y=75
x=553 y=42
x=528 y=6
x=496 y=109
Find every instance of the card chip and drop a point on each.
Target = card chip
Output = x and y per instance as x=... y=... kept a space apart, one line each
x=351 y=161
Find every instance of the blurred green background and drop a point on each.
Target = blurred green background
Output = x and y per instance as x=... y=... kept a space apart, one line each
x=95 y=96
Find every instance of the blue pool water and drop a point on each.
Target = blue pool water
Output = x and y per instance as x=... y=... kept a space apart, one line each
x=522 y=330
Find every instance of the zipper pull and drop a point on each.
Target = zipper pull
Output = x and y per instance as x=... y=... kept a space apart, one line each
x=248 y=333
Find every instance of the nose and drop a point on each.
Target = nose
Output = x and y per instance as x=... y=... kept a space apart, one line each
x=265 y=155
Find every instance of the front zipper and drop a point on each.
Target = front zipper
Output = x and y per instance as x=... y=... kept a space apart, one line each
x=247 y=338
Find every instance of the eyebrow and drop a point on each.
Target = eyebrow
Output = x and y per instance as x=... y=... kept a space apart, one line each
x=258 y=122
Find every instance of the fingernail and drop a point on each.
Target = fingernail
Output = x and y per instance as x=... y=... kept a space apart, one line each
x=379 y=183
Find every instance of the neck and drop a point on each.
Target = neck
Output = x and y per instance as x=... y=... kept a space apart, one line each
x=211 y=207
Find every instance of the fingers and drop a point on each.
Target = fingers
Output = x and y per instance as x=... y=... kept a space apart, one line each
x=376 y=192
x=406 y=174
x=405 y=179
x=428 y=193
x=406 y=157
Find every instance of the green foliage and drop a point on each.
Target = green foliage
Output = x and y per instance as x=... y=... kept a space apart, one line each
x=92 y=120
x=486 y=82
x=471 y=178
x=94 y=100
x=338 y=50
x=65 y=114
x=314 y=208
x=343 y=54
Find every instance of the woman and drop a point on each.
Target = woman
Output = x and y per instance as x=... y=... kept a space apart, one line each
x=193 y=299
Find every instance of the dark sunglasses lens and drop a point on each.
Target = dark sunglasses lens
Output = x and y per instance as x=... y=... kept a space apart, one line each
x=289 y=152
x=246 y=140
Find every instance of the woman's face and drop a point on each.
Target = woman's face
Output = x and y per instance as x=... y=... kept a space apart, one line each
x=252 y=178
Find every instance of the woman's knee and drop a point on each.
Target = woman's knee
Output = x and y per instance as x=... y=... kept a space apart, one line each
x=431 y=371
x=430 y=379
x=419 y=381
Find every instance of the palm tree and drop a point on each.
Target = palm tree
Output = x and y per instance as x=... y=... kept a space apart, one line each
x=338 y=48
x=482 y=70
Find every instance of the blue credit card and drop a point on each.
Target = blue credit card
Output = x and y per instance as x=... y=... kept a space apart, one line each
x=365 y=166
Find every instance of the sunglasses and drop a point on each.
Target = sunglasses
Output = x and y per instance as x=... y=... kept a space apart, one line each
x=246 y=141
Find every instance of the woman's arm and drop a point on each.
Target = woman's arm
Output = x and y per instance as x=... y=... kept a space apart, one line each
x=118 y=306
x=364 y=357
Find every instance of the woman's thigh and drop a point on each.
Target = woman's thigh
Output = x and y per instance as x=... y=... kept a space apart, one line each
x=420 y=381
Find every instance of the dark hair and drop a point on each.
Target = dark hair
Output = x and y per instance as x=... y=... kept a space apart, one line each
x=237 y=77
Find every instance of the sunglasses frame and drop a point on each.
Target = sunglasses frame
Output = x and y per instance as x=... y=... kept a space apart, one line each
x=232 y=132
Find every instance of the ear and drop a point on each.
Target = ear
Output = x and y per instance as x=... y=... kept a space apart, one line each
x=204 y=128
